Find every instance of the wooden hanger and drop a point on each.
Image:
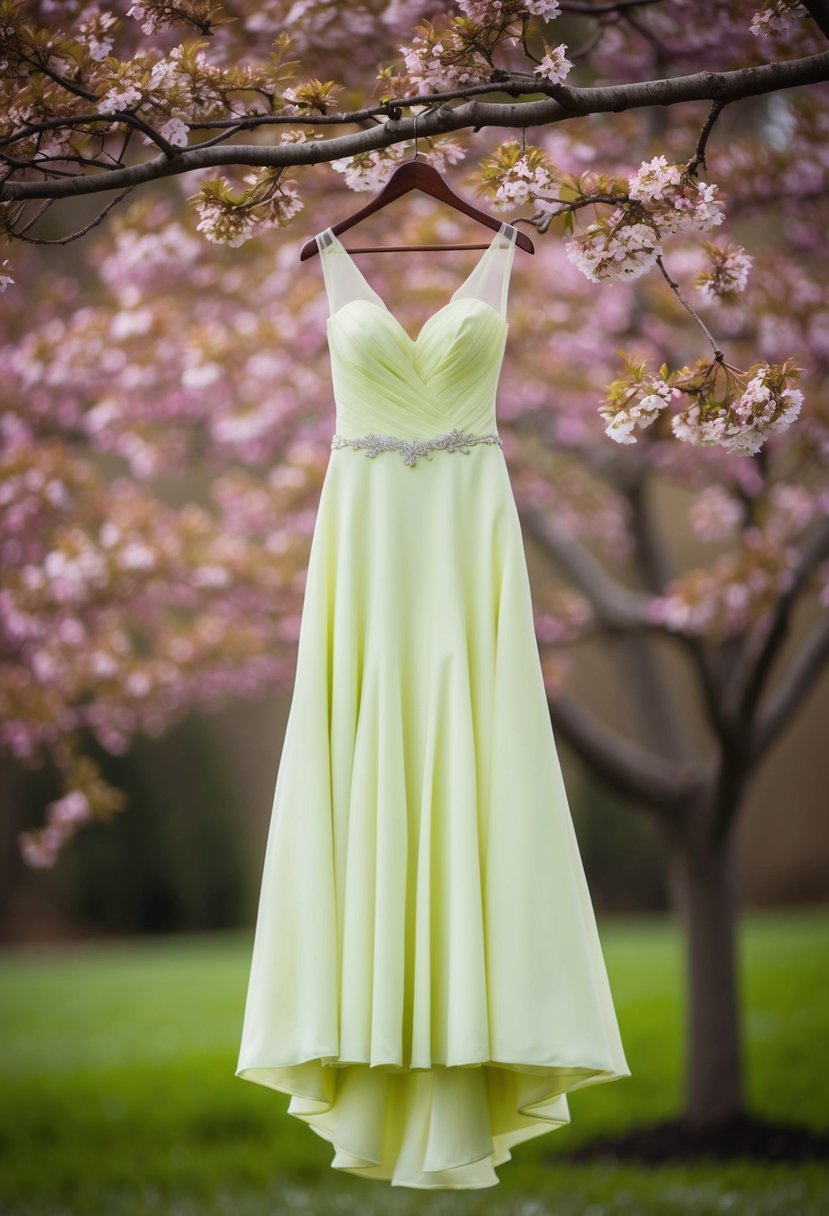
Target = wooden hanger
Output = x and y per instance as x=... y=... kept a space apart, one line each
x=414 y=174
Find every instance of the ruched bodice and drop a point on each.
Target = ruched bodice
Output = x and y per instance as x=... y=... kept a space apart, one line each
x=445 y=378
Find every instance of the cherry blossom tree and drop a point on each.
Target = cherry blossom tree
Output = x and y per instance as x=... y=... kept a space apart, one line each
x=165 y=434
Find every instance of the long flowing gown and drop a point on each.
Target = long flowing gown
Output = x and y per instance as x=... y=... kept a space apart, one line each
x=427 y=981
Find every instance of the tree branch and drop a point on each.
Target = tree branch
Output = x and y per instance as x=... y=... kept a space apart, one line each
x=757 y=662
x=126 y=116
x=616 y=606
x=801 y=674
x=618 y=609
x=677 y=290
x=644 y=675
x=561 y=104
x=73 y=236
x=626 y=766
x=707 y=127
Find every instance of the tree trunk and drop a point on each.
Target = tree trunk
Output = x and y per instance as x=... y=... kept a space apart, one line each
x=703 y=886
x=12 y=867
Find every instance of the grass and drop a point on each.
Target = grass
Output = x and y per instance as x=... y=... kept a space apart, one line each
x=119 y=1099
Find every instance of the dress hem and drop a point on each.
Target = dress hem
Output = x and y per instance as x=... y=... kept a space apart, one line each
x=503 y=1120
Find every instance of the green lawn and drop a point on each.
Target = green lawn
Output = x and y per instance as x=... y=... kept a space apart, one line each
x=119 y=1099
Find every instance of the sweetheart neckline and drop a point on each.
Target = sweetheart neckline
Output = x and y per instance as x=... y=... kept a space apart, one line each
x=335 y=241
x=384 y=308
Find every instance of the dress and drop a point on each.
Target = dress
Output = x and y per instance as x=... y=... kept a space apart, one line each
x=427 y=980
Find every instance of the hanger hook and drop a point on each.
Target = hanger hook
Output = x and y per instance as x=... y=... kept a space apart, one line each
x=417 y=115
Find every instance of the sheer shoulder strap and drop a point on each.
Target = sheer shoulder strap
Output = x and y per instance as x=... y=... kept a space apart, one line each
x=489 y=281
x=344 y=281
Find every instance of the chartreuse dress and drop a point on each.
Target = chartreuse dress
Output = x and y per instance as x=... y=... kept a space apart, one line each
x=427 y=980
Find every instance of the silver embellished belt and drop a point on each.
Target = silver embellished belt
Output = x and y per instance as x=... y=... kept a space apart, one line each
x=451 y=441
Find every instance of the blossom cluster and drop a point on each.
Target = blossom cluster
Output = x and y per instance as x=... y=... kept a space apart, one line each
x=120 y=614
x=675 y=200
x=369 y=170
x=462 y=49
x=88 y=798
x=490 y=12
x=443 y=152
x=168 y=92
x=513 y=175
x=96 y=28
x=738 y=422
x=547 y=10
x=229 y=219
x=741 y=425
x=554 y=66
x=625 y=245
x=727 y=271
x=637 y=404
x=440 y=61
x=777 y=17
x=716 y=515
x=738 y=589
x=561 y=617
x=150 y=18
x=614 y=248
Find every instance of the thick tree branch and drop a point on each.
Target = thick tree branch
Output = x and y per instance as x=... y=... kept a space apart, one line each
x=619 y=609
x=757 y=661
x=801 y=674
x=649 y=688
x=561 y=104
x=651 y=554
x=626 y=766
x=616 y=606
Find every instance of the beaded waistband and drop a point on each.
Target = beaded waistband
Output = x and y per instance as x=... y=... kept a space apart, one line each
x=450 y=441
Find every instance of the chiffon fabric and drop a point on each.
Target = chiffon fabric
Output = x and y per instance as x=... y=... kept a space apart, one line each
x=427 y=981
